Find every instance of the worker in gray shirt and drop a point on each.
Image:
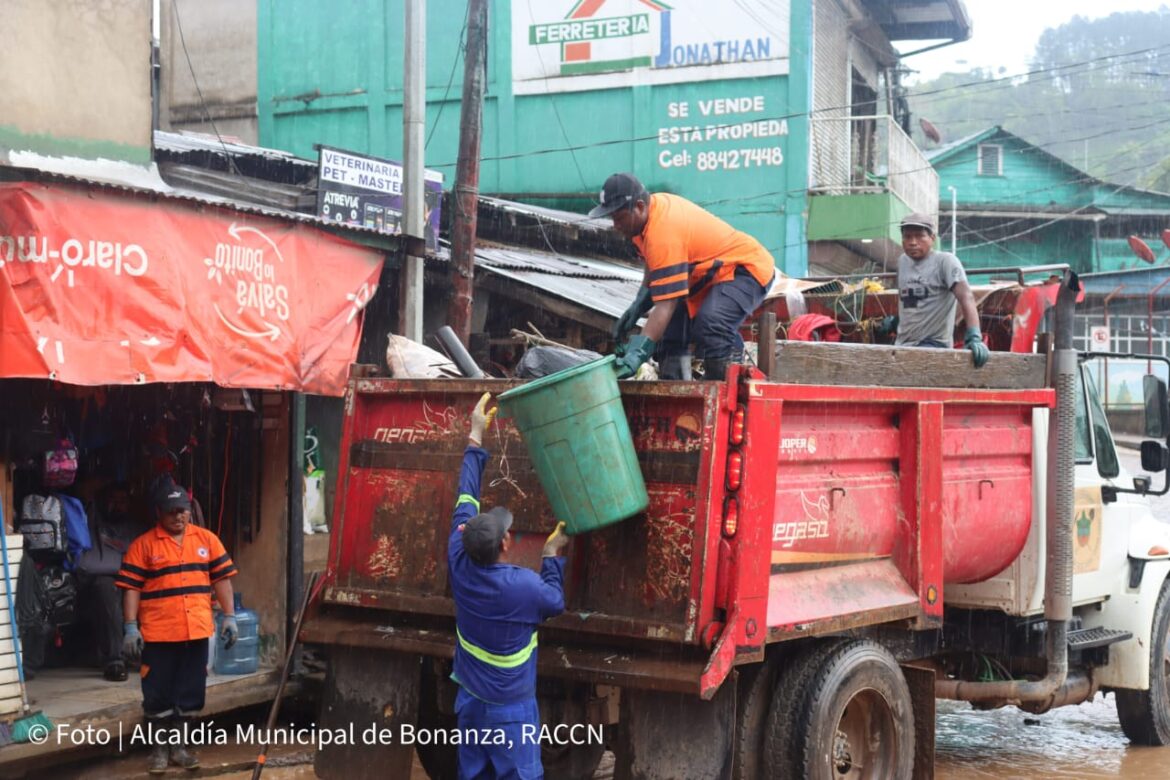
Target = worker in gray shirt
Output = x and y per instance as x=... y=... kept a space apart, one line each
x=930 y=284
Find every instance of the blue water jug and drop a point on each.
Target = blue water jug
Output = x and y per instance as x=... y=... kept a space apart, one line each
x=244 y=656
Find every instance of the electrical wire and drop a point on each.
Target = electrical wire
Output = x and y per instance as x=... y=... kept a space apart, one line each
x=556 y=112
x=450 y=78
x=203 y=103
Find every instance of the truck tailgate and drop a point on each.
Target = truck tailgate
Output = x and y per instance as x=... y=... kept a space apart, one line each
x=402 y=446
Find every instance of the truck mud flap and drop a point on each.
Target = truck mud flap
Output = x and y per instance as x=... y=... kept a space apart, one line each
x=694 y=740
x=668 y=668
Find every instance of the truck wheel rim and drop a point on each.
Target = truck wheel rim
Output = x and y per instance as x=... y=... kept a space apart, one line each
x=865 y=743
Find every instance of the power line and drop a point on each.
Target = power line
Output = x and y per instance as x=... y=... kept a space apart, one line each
x=203 y=103
x=450 y=79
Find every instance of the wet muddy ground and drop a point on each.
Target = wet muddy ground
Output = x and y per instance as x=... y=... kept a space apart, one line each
x=1069 y=743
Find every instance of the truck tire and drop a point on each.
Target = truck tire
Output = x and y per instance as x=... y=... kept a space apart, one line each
x=571 y=762
x=753 y=697
x=843 y=709
x=1145 y=715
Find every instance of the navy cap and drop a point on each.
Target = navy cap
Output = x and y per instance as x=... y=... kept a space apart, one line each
x=483 y=533
x=619 y=191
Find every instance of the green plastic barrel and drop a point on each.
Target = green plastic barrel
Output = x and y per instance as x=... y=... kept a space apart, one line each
x=575 y=428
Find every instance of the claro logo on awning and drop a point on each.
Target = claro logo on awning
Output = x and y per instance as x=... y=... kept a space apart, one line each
x=73 y=253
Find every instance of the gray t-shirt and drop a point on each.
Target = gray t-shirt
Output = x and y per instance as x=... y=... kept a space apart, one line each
x=927 y=306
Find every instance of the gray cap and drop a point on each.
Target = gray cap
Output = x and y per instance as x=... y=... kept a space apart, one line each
x=483 y=533
x=918 y=219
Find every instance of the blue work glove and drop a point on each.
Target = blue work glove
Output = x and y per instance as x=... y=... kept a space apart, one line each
x=888 y=325
x=629 y=319
x=979 y=351
x=633 y=354
x=230 y=632
x=131 y=641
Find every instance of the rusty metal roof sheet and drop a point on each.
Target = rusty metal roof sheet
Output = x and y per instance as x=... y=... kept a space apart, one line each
x=602 y=286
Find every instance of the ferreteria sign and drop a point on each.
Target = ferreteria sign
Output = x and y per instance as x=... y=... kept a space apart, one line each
x=570 y=45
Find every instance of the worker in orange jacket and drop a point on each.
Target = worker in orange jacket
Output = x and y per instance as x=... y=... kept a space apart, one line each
x=168 y=576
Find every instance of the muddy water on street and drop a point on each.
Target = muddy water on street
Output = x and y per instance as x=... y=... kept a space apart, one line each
x=1068 y=743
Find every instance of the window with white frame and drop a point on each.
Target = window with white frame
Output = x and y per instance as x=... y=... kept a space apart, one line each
x=990 y=160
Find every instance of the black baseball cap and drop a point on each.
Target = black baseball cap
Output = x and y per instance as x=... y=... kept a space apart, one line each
x=619 y=191
x=169 y=497
x=483 y=533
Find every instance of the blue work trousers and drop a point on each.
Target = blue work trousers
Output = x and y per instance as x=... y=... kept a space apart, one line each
x=518 y=758
x=715 y=327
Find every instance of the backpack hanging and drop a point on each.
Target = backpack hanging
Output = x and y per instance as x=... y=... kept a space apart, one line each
x=61 y=464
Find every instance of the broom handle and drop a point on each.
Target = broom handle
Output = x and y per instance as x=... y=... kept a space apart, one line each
x=310 y=592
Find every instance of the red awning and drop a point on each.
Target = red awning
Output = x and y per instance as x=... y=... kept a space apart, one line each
x=99 y=287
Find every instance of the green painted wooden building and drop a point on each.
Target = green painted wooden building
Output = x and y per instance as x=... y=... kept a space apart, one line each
x=765 y=111
x=1018 y=204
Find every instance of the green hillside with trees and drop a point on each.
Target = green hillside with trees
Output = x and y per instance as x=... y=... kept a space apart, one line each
x=1097 y=95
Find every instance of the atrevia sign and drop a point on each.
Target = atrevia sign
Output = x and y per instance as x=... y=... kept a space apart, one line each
x=569 y=45
x=355 y=189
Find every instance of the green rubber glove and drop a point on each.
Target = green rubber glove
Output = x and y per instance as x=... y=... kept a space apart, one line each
x=888 y=325
x=633 y=354
x=979 y=351
x=629 y=319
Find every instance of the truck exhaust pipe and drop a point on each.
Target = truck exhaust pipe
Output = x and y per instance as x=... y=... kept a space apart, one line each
x=1058 y=570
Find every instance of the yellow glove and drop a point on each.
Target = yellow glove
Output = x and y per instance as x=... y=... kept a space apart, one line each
x=555 y=542
x=481 y=418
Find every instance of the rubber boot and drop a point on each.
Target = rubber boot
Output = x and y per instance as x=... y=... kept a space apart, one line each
x=160 y=731
x=181 y=753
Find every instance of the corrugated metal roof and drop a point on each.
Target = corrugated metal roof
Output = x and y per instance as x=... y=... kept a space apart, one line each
x=602 y=286
x=1138 y=282
x=129 y=178
x=187 y=141
x=550 y=215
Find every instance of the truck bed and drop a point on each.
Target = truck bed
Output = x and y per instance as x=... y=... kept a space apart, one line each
x=856 y=505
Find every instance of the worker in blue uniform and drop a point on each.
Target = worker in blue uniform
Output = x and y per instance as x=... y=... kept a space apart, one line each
x=497 y=609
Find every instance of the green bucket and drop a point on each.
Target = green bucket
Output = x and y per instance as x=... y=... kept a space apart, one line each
x=579 y=441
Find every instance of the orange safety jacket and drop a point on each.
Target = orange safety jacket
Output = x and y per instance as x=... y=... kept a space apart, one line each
x=687 y=250
x=175 y=581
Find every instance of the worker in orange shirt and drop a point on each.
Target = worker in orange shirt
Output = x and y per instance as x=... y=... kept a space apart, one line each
x=703 y=279
x=168 y=575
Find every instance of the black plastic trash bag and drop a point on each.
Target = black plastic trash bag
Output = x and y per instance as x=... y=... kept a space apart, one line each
x=542 y=361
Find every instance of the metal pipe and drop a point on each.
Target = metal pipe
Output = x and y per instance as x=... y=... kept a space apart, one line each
x=954 y=218
x=296 y=512
x=1150 y=323
x=458 y=353
x=1058 y=570
x=414 y=108
x=1105 y=362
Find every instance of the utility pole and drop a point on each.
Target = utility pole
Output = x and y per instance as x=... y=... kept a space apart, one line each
x=414 y=110
x=466 y=200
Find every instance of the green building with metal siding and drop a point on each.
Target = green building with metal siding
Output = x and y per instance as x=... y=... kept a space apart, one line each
x=1017 y=204
x=708 y=100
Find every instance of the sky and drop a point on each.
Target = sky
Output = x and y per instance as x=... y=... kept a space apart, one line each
x=1004 y=33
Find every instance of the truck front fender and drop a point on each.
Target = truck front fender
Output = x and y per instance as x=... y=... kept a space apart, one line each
x=1130 y=609
x=1149 y=539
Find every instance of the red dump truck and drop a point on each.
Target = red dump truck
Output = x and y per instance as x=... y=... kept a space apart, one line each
x=831 y=543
